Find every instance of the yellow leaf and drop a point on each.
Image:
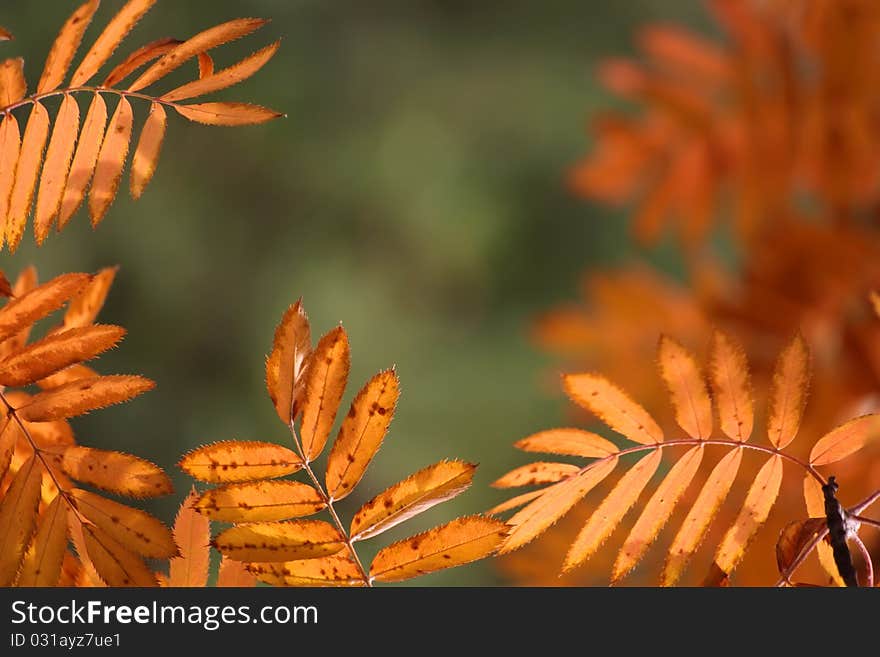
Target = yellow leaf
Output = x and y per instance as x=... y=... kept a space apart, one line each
x=84 y=160
x=325 y=380
x=286 y=365
x=111 y=160
x=8 y=439
x=759 y=500
x=610 y=512
x=361 y=433
x=226 y=78
x=58 y=158
x=205 y=40
x=260 y=501
x=845 y=440
x=732 y=387
x=22 y=311
x=85 y=306
x=228 y=114
x=536 y=473
x=555 y=502
x=456 y=543
x=134 y=529
x=694 y=527
x=233 y=574
x=31 y=156
x=57 y=351
x=687 y=387
x=117 y=29
x=42 y=563
x=415 y=494
x=280 y=541
x=116 y=565
x=613 y=407
x=568 y=442
x=789 y=393
x=239 y=460
x=192 y=533
x=656 y=512
x=146 y=155
x=18 y=513
x=116 y=472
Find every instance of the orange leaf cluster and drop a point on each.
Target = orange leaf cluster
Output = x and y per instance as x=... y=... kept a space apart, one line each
x=271 y=533
x=51 y=167
x=43 y=507
x=697 y=400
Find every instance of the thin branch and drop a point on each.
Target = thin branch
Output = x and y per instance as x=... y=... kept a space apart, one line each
x=871 y=522
x=869 y=565
x=31 y=100
x=307 y=466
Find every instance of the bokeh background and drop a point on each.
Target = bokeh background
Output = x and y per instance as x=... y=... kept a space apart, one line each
x=415 y=192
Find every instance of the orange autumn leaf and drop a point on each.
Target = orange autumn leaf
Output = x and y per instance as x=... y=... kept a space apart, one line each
x=732 y=387
x=42 y=563
x=567 y=442
x=233 y=574
x=59 y=155
x=335 y=570
x=116 y=565
x=146 y=155
x=57 y=351
x=231 y=461
x=83 y=395
x=85 y=306
x=690 y=398
x=134 y=529
x=457 y=542
x=613 y=406
x=280 y=541
x=85 y=159
x=30 y=157
x=18 y=511
x=25 y=309
x=845 y=440
x=67 y=375
x=285 y=365
x=138 y=58
x=192 y=534
x=13 y=85
x=227 y=114
x=10 y=145
x=324 y=384
x=536 y=473
x=815 y=503
x=789 y=393
x=260 y=501
x=116 y=472
x=65 y=45
x=111 y=160
x=417 y=493
x=361 y=433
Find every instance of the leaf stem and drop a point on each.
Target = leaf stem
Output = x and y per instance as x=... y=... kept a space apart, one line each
x=349 y=543
x=10 y=409
x=31 y=100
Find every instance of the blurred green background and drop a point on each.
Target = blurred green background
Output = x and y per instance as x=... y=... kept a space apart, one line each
x=414 y=192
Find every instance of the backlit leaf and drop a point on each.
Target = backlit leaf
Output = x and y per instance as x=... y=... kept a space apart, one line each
x=116 y=472
x=694 y=527
x=26 y=309
x=35 y=135
x=57 y=351
x=285 y=365
x=85 y=159
x=789 y=392
x=65 y=46
x=18 y=515
x=556 y=501
x=335 y=570
x=325 y=381
x=143 y=55
x=111 y=160
x=84 y=395
x=228 y=114
x=610 y=512
x=794 y=538
x=146 y=155
x=233 y=574
x=815 y=502
x=415 y=494
x=231 y=461
x=58 y=158
x=456 y=543
x=134 y=529
x=42 y=563
x=85 y=306
x=10 y=145
x=613 y=406
x=657 y=511
x=361 y=433
x=536 y=473
x=192 y=533
x=13 y=85
x=280 y=541
x=845 y=440
x=732 y=387
x=568 y=442
x=260 y=501
x=687 y=387
x=116 y=565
